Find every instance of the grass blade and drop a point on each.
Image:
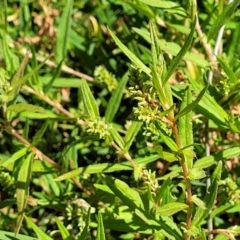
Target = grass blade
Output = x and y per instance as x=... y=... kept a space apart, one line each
x=115 y=100
x=63 y=32
x=191 y=106
x=130 y=55
x=223 y=18
x=100 y=229
x=89 y=103
x=23 y=181
x=180 y=55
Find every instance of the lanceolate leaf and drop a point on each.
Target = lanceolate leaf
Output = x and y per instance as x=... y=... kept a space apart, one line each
x=89 y=103
x=210 y=196
x=228 y=71
x=37 y=230
x=130 y=55
x=21 y=107
x=109 y=167
x=100 y=229
x=63 y=31
x=180 y=55
x=115 y=99
x=185 y=125
x=63 y=230
x=171 y=208
x=131 y=134
x=167 y=140
x=23 y=181
x=191 y=106
x=39 y=134
x=223 y=18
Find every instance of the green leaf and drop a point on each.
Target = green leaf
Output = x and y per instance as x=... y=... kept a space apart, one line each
x=63 y=31
x=180 y=55
x=131 y=134
x=13 y=236
x=21 y=107
x=117 y=138
x=100 y=229
x=53 y=78
x=115 y=100
x=192 y=105
x=173 y=49
x=63 y=230
x=107 y=167
x=226 y=14
x=159 y=4
x=38 y=136
x=166 y=139
x=22 y=191
x=130 y=55
x=171 y=208
x=227 y=69
x=161 y=190
x=198 y=202
x=20 y=153
x=37 y=230
x=89 y=103
x=210 y=197
x=221 y=155
x=196 y=173
x=185 y=126
x=129 y=196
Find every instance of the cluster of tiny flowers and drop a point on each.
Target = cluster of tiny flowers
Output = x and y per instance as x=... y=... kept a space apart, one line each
x=77 y=211
x=141 y=90
x=232 y=190
x=99 y=127
x=150 y=180
x=225 y=86
x=101 y=75
x=7 y=182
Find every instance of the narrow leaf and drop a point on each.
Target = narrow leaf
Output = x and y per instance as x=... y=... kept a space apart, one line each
x=228 y=71
x=21 y=107
x=131 y=134
x=63 y=31
x=196 y=173
x=171 y=208
x=161 y=190
x=185 y=126
x=89 y=103
x=128 y=195
x=20 y=153
x=167 y=140
x=100 y=229
x=37 y=230
x=210 y=196
x=180 y=55
x=22 y=191
x=38 y=136
x=130 y=55
x=115 y=100
x=117 y=138
x=63 y=230
x=191 y=106
x=198 y=202
x=107 y=167
x=223 y=18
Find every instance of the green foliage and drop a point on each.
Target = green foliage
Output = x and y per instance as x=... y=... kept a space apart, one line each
x=103 y=118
